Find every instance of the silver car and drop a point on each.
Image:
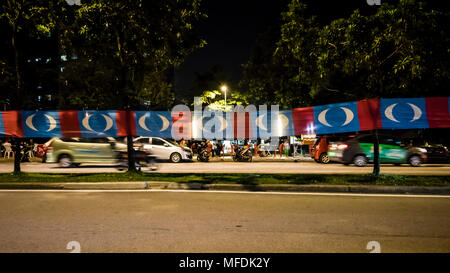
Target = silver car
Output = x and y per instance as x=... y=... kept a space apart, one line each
x=163 y=148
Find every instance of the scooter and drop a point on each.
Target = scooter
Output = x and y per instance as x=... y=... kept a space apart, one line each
x=242 y=154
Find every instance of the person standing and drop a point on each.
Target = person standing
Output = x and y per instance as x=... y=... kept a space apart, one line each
x=286 y=147
x=219 y=147
x=209 y=147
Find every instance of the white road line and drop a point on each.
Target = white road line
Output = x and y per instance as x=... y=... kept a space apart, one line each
x=236 y=192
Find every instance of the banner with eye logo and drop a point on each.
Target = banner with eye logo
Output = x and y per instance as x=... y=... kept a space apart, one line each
x=275 y=123
x=41 y=124
x=336 y=118
x=98 y=124
x=153 y=123
x=408 y=113
x=363 y=115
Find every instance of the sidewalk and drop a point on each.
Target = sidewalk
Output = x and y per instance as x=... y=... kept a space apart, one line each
x=369 y=189
x=297 y=158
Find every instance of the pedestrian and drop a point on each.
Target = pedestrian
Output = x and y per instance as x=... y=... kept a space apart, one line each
x=214 y=149
x=219 y=147
x=280 y=149
x=183 y=143
x=209 y=147
x=286 y=147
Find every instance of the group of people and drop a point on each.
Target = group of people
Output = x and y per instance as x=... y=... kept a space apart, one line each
x=214 y=149
x=29 y=148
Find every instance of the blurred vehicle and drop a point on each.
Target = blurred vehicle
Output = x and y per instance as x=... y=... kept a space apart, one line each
x=42 y=149
x=143 y=160
x=74 y=151
x=163 y=148
x=319 y=150
x=359 y=151
x=437 y=153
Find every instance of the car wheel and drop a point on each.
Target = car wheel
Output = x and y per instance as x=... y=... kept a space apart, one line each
x=360 y=161
x=65 y=161
x=175 y=158
x=324 y=158
x=415 y=161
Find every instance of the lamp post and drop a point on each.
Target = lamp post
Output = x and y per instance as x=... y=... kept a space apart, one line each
x=224 y=89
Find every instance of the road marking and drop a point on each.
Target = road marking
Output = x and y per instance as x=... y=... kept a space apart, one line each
x=237 y=192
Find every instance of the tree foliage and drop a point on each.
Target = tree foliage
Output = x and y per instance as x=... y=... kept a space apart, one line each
x=399 y=51
x=100 y=54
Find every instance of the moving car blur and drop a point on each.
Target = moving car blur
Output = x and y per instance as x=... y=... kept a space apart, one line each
x=74 y=151
x=319 y=150
x=359 y=151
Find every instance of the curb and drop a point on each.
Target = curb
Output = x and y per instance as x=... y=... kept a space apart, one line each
x=229 y=187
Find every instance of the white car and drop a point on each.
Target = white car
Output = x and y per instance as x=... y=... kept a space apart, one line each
x=163 y=148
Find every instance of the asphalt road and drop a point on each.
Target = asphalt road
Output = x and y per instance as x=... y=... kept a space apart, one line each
x=152 y=221
x=287 y=166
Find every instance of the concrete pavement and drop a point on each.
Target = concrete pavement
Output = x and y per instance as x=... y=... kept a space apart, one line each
x=220 y=222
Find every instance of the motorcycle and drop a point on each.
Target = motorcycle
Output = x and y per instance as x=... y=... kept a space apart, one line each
x=203 y=154
x=242 y=154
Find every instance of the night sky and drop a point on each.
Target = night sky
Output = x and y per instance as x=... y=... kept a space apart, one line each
x=232 y=27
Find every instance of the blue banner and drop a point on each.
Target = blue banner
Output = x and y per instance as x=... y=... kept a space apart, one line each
x=41 y=124
x=94 y=124
x=403 y=113
x=336 y=118
x=154 y=123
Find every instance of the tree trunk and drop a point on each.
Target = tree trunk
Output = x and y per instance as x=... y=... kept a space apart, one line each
x=131 y=154
x=376 y=154
x=17 y=155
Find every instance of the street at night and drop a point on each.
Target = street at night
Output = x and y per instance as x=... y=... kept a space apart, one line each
x=146 y=221
x=225 y=136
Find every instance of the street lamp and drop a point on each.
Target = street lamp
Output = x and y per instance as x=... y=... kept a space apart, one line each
x=224 y=89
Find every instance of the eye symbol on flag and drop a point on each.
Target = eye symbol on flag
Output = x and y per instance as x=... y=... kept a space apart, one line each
x=388 y=112
x=142 y=123
x=259 y=122
x=52 y=121
x=165 y=123
x=85 y=122
x=348 y=116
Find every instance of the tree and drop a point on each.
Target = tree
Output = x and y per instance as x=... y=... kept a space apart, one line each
x=141 y=40
x=399 y=51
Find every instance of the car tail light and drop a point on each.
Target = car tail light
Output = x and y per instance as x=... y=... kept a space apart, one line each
x=342 y=146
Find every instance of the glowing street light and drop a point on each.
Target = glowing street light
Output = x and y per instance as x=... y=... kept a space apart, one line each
x=224 y=89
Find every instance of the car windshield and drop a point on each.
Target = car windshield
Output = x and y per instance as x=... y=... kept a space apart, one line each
x=172 y=142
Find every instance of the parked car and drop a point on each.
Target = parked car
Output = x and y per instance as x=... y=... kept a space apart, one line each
x=359 y=151
x=164 y=149
x=74 y=151
x=437 y=153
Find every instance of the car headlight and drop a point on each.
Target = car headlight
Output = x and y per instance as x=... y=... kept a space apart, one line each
x=422 y=150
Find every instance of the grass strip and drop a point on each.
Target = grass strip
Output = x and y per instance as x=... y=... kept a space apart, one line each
x=244 y=179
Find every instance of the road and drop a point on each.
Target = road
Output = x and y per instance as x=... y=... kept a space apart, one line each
x=242 y=167
x=165 y=221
